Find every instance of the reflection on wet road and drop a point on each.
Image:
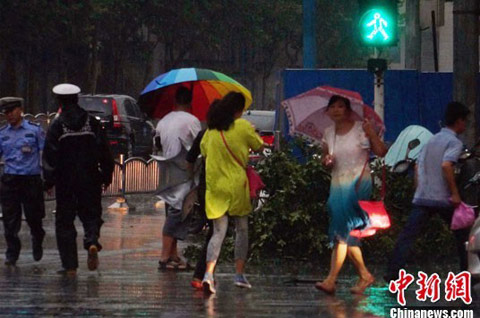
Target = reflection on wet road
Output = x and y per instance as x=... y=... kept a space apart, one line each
x=128 y=284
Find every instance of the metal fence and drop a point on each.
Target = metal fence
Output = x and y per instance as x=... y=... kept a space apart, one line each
x=134 y=175
x=130 y=176
x=141 y=176
x=41 y=118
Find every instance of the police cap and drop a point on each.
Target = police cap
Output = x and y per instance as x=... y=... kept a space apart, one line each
x=66 y=89
x=9 y=103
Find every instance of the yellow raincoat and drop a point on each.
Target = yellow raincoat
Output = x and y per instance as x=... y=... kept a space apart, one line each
x=227 y=184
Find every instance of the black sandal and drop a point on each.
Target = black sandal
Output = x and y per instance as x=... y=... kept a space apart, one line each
x=162 y=266
x=177 y=263
x=170 y=264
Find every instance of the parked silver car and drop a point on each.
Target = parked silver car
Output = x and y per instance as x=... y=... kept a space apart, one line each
x=264 y=122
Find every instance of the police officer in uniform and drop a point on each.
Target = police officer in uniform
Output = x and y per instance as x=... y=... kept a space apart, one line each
x=21 y=142
x=78 y=162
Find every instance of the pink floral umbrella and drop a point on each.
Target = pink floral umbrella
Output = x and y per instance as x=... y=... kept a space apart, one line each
x=307 y=112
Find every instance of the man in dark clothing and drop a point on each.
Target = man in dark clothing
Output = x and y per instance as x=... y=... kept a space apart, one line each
x=436 y=191
x=192 y=157
x=21 y=143
x=78 y=162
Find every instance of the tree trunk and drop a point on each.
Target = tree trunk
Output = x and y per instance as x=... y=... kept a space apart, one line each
x=264 y=88
x=8 y=86
x=93 y=67
x=31 y=87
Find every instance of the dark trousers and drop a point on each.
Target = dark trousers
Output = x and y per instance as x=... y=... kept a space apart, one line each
x=201 y=266
x=416 y=222
x=86 y=202
x=19 y=191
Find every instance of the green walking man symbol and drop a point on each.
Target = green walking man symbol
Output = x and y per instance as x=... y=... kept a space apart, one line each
x=378 y=24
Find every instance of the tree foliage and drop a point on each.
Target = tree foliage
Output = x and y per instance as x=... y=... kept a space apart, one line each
x=115 y=46
x=293 y=221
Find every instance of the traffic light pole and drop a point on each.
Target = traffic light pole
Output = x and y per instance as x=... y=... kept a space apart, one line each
x=379 y=97
x=377 y=27
x=378 y=88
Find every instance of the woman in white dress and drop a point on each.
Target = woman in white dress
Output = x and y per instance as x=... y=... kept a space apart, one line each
x=347 y=146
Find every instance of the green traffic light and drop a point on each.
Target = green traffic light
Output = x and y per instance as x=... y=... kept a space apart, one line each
x=378 y=27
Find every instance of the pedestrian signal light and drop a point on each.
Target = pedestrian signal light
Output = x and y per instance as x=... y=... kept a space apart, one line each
x=378 y=23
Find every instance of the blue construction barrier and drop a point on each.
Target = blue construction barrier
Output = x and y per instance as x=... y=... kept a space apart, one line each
x=411 y=97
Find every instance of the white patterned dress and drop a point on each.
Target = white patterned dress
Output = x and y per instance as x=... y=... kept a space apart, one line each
x=350 y=152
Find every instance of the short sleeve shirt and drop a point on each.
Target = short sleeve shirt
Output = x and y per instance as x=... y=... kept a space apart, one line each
x=176 y=130
x=432 y=188
x=20 y=147
x=227 y=184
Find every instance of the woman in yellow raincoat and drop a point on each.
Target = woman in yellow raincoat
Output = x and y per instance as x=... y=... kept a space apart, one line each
x=225 y=147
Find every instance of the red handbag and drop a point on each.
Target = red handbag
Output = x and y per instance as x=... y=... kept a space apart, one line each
x=376 y=211
x=255 y=182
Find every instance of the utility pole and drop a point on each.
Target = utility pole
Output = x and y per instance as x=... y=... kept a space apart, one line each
x=309 y=34
x=465 y=61
x=465 y=79
x=413 y=43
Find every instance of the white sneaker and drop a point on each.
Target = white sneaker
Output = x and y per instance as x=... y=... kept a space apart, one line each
x=241 y=281
x=208 y=284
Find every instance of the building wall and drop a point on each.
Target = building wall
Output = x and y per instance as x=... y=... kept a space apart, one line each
x=444 y=39
x=445 y=45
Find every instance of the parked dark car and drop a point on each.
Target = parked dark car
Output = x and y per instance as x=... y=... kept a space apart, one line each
x=128 y=130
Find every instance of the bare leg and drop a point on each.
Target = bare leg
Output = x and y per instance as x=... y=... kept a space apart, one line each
x=338 y=258
x=167 y=242
x=210 y=267
x=366 y=278
x=173 y=250
x=355 y=254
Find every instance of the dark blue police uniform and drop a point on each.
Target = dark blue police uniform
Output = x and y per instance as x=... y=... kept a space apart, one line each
x=22 y=186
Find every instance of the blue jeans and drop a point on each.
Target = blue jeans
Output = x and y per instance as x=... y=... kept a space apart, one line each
x=416 y=222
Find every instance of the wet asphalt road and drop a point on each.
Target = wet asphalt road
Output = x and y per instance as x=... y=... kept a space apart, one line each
x=128 y=284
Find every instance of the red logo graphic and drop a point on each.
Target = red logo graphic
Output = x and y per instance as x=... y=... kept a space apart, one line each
x=398 y=286
x=429 y=287
x=458 y=286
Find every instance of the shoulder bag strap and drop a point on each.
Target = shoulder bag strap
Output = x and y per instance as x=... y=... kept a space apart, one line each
x=230 y=151
x=384 y=183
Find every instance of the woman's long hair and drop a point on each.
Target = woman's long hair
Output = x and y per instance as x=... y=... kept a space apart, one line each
x=222 y=112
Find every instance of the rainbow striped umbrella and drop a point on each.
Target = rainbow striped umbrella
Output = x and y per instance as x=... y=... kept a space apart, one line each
x=158 y=98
